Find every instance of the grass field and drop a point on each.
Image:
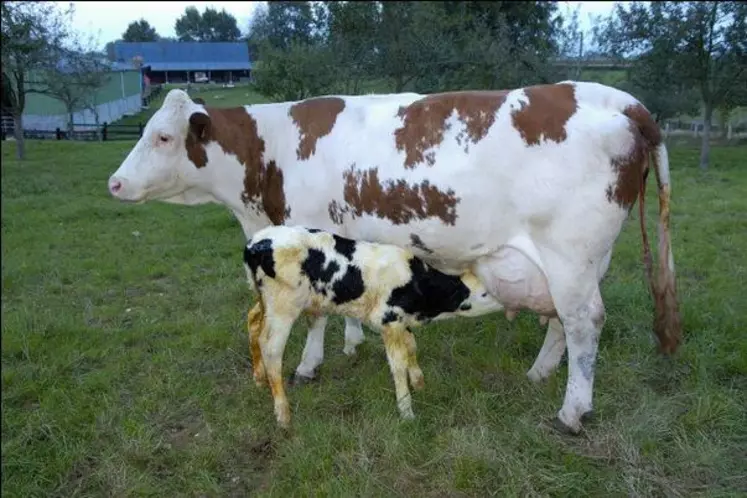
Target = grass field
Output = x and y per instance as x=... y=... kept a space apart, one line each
x=125 y=363
x=213 y=95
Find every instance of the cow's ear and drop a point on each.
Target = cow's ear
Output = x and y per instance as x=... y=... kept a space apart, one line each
x=199 y=125
x=198 y=100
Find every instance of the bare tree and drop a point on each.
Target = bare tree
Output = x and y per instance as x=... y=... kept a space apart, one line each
x=75 y=78
x=32 y=34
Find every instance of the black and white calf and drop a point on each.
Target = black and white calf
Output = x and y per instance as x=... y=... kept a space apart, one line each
x=296 y=270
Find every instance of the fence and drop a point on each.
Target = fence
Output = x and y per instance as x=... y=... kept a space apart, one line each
x=94 y=132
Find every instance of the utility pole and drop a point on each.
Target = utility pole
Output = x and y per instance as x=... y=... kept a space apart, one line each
x=580 y=55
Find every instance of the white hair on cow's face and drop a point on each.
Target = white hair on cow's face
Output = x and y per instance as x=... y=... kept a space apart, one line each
x=158 y=166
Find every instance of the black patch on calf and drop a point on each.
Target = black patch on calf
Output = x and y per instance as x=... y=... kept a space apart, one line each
x=260 y=254
x=429 y=292
x=350 y=287
x=389 y=317
x=418 y=243
x=344 y=246
x=316 y=268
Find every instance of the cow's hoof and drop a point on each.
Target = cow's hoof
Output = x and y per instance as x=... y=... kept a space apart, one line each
x=564 y=429
x=588 y=417
x=301 y=380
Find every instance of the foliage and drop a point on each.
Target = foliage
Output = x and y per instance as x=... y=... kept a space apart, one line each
x=140 y=31
x=125 y=366
x=33 y=34
x=676 y=46
x=424 y=46
x=210 y=26
x=296 y=73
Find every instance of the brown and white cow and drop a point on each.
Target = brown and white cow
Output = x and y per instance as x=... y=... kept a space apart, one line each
x=531 y=186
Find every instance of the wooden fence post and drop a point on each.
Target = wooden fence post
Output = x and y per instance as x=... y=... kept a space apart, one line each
x=58 y=134
x=104 y=131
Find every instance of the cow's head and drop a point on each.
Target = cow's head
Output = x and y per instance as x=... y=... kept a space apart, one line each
x=164 y=163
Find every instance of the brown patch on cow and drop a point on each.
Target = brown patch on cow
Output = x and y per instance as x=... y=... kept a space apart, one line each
x=315 y=118
x=633 y=166
x=337 y=212
x=424 y=122
x=545 y=116
x=418 y=243
x=397 y=201
x=235 y=131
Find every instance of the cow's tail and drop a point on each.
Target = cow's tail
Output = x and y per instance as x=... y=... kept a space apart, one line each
x=667 y=323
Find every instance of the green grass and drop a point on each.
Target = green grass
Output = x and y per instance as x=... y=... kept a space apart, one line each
x=125 y=363
x=213 y=95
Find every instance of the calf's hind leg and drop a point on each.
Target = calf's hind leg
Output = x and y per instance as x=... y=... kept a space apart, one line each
x=272 y=342
x=413 y=369
x=255 y=324
x=398 y=354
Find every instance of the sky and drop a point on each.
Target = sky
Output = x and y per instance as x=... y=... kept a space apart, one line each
x=106 y=21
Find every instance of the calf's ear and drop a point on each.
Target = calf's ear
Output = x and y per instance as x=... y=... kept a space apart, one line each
x=199 y=126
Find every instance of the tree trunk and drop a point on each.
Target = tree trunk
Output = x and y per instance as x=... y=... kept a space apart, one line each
x=705 y=148
x=18 y=133
x=70 y=125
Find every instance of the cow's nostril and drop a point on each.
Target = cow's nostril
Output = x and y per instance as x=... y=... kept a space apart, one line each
x=115 y=186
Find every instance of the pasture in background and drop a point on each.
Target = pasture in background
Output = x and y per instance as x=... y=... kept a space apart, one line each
x=125 y=364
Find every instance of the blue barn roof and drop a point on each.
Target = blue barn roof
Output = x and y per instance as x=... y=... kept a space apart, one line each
x=186 y=56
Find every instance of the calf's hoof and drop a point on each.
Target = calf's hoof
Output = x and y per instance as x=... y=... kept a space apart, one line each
x=283 y=420
x=259 y=379
x=416 y=379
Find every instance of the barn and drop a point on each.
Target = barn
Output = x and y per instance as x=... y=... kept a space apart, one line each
x=183 y=62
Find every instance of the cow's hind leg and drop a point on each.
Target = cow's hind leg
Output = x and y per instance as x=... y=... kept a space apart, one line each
x=551 y=353
x=553 y=347
x=353 y=335
x=575 y=291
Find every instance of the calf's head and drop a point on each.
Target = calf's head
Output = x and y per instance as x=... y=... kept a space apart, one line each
x=164 y=163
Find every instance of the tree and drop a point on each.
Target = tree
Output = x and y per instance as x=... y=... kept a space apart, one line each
x=299 y=72
x=140 y=31
x=32 y=36
x=288 y=40
x=351 y=36
x=694 y=44
x=210 y=26
x=74 y=80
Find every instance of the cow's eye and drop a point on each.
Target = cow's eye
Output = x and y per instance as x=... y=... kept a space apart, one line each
x=164 y=139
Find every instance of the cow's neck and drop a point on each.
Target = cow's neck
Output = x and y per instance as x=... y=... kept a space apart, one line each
x=225 y=186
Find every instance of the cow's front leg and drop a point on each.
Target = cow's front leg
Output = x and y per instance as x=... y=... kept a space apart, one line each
x=353 y=335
